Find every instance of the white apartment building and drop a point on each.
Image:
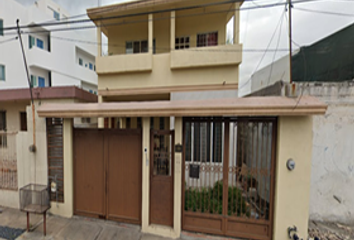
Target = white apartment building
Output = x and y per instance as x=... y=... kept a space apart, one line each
x=54 y=58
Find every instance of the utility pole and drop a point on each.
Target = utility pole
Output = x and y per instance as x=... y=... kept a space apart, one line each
x=290 y=42
x=33 y=147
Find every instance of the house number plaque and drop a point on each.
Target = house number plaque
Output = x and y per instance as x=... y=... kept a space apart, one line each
x=194 y=171
x=178 y=148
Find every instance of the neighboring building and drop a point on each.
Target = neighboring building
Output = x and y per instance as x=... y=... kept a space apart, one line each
x=323 y=70
x=175 y=149
x=51 y=60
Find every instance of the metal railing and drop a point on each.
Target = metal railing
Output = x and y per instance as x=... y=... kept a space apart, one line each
x=8 y=161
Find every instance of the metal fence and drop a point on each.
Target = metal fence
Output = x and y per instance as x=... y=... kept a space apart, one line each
x=8 y=161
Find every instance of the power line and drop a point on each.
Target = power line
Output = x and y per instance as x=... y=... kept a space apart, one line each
x=265 y=52
x=325 y=12
x=152 y=12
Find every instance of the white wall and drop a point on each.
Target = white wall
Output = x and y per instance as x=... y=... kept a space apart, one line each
x=61 y=59
x=332 y=173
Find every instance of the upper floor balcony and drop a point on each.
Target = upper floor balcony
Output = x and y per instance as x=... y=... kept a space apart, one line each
x=166 y=42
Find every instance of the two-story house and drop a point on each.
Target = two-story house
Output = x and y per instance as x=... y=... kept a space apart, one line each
x=175 y=149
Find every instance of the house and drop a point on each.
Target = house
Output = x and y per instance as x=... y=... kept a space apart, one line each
x=52 y=61
x=175 y=149
x=323 y=70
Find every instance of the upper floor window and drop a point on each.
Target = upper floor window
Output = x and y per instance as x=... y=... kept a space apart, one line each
x=40 y=43
x=81 y=62
x=91 y=66
x=41 y=82
x=23 y=121
x=56 y=15
x=3 y=138
x=1 y=27
x=31 y=41
x=137 y=47
x=33 y=81
x=207 y=39
x=182 y=43
x=2 y=73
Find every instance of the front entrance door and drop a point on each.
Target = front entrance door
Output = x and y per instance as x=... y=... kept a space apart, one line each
x=161 y=177
x=107 y=174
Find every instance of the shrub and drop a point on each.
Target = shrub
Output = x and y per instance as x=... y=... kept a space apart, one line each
x=210 y=200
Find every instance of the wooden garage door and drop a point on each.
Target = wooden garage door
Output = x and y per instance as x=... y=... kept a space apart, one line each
x=107 y=174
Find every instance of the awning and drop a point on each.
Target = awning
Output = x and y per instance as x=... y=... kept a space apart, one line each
x=253 y=106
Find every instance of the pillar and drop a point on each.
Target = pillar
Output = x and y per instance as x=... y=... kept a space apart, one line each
x=99 y=40
x=100 y=120
x=66 y=209
x=151 y=32
x=236 y=23
x=173 y=30
x=146 y=174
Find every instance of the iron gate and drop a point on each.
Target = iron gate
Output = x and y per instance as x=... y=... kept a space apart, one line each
x=229 y=176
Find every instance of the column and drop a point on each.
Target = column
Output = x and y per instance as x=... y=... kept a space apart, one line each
x=178 y=177
x=146 y=174
x=66 y=209
x=100 y=120
x=99 y=40
x=151 y=32
x=236 y=24
x=173 y=30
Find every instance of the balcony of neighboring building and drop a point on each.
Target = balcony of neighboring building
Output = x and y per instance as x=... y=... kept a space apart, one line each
x=170 y=48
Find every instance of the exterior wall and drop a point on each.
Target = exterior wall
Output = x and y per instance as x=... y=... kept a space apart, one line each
x=164 y=77
x=204 y=95
x=61 y=59
x=292 y=190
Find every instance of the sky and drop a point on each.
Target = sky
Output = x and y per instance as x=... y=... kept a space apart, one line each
x=258 y=26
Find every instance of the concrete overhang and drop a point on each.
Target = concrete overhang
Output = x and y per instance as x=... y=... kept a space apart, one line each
x=9 y=95
x=254 y=106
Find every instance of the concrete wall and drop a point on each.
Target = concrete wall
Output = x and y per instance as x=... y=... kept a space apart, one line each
x=292 y=189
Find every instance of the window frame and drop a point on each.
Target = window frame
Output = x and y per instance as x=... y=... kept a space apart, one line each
x=3 y=78
x=38 y=82
x=130 y=49
x=81 y=62
x=3 y=128
x=206 y=38
x=1 y=27
x=39 y=43
x=184 y=45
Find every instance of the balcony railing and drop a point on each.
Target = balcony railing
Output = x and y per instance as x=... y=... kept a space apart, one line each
x=8 y=161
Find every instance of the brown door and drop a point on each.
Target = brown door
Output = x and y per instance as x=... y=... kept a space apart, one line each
x=124 y=175
x=161 y=177
x=89 y=173
x=107 y=174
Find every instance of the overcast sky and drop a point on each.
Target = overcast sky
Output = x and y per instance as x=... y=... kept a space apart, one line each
x=258 y=25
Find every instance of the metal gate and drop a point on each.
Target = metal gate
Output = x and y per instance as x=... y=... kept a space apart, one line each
x=161 y=177
x=229 y=176
x=108 y=174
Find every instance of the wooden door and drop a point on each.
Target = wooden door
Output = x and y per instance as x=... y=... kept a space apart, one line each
x=161 y=177
x=124 y=169
x=89 y=169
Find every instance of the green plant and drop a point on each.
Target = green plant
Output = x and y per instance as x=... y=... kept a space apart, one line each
x=210 y=200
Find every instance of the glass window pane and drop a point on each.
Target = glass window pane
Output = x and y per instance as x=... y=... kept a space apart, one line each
x=40 y=43
x=2 y=73
x=41 y=82
x=129 y=47
x=136 y=47
x=144 y=46
x=1 y=27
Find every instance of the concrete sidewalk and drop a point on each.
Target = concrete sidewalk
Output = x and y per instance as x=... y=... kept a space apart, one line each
x=81 y=228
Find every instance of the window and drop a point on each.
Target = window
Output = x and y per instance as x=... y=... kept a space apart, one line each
x=182 y=43
x=31 y=41
x=23 y=121
x=41 y=82
x=33 y=81
x=91 y=66
x=137 y=47
x=128 y=123
x=85 y=120
x=3 y=138
x=40 y=43
x=85 y=65
x=56 y=15
x=90 y=91
x=207 y=39
x=81 y=62
x=2 y=73
x=1 y=27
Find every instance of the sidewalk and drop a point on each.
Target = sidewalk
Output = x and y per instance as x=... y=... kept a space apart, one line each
x=81 y=228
